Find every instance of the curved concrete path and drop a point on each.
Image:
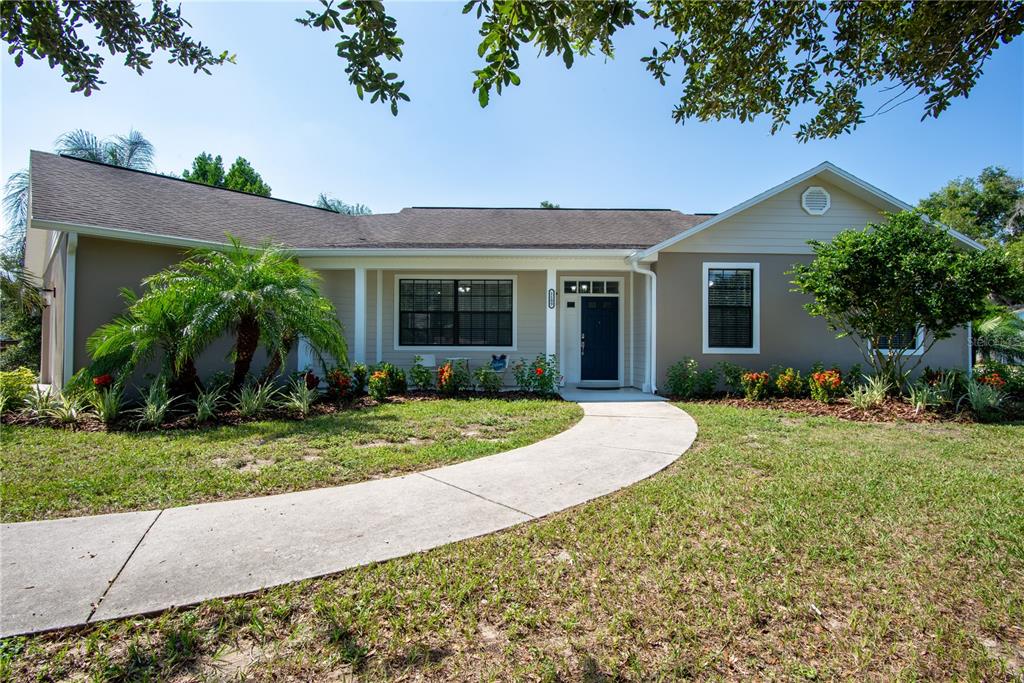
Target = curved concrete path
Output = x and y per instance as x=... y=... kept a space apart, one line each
x=71 y=572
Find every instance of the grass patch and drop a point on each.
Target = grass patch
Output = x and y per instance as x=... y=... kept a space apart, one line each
x=48 y=472
x=781 y=546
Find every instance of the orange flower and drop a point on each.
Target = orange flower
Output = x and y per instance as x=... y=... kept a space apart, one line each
x=540 y=371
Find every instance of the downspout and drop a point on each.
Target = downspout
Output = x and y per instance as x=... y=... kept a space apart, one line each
x=651 y=321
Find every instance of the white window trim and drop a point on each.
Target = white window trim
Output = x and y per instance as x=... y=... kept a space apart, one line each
x=396 y=312
x=714 y=265
x=916 y=351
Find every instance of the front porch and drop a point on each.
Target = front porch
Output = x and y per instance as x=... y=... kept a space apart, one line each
x=593 y=314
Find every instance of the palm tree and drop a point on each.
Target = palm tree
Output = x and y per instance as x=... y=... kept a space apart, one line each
x=153 y=322
x=338 y=206
x=17 y=285
x=261 y=295
x=128 y=151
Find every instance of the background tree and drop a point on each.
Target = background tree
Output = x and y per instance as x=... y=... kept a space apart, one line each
x=735 y=60
x=549 y=205
x=338 y=206
x=896 y=277
x=989 y=207
x=261 y=295
x=209 y=170
x=23 y=323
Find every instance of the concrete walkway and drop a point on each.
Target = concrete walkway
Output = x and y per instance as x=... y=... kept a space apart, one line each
x=71 y=572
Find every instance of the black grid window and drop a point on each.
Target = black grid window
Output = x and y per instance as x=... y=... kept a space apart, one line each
x=906 y=340
x=455 y=312
x=731 y=308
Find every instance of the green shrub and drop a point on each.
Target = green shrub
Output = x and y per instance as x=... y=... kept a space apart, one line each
x=66 y=409
x=40 y=402
x=207 y=401
x=1012 y=377
x=539 y=376
x=107 y=402
x=685 y=380
x=826 y=385
x=300 y=397
x=487 y=379
x=254 y=398
x=15 y=386
x=732 y=376
x=155 y=405
x=422 y=377
x=923 y=396
x=790 y=383
x=985 y=400
x=360 y=375
x=870 y=393
x=756 y=385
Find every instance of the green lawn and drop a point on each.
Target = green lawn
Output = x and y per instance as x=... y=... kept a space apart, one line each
x=779 y=547
x=47 y=473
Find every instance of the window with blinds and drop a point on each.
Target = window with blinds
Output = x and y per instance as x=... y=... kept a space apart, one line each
x=730 y=308
x=906 y=340
x=454 y=312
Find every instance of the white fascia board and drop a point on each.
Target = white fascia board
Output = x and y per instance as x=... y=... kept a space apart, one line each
x=824 y=167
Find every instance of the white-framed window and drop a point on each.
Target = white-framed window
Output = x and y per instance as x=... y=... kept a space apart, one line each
x=911 y=342
x=455 y=312
x=731 y=307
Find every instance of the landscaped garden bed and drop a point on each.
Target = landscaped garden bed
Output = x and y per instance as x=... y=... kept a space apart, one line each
x=783 y=546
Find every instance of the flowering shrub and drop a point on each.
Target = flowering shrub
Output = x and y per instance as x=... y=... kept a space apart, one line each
x=311 y=380
x=686 y=381
x=421 y=375
x=993 y=379
x=756 y=385
x=378 y=385
x=826 y=385
x=339 y=384
x=487 y=379
x=539 y=376
x=453 y=377
x=103 y=381
x=394 y=378
x=789 y=383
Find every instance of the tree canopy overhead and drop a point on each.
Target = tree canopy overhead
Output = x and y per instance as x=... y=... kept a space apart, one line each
x=734 y=60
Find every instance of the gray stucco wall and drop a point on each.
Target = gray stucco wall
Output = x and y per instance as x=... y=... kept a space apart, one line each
x=789 y=336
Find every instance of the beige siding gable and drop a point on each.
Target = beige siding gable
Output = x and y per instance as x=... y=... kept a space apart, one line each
x=779 y=225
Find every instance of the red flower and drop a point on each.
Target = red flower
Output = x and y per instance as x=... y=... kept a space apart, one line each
x=540 y=371
x=102 y=381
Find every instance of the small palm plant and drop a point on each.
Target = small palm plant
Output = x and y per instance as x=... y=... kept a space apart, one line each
x=207 y=401
x=254 y=398
x=66 y=410
x=300 y=397
x=155 y=405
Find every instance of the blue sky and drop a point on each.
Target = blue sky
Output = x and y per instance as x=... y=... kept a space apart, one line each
x=599 y=135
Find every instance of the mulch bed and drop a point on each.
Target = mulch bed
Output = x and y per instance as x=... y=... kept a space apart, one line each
x=892 y=410
x=183 y=421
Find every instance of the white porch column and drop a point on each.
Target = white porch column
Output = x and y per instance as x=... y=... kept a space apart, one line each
x=550 y=313
x=359 y=316
x=70 y=277
x=379 y=319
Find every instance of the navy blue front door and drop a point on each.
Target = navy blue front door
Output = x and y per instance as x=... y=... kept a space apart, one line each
x=599 y=338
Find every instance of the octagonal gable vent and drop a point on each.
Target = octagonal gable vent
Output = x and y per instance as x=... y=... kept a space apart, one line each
x=816 y=200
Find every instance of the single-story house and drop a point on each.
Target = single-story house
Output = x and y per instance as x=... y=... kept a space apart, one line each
x=618 y=295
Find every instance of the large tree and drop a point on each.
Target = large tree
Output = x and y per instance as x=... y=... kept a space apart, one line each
x=897 y=280
x=209 y=170
x=736 y=60
x=989 y=207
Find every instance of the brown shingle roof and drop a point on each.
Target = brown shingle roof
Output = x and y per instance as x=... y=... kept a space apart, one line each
x=68 y=190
